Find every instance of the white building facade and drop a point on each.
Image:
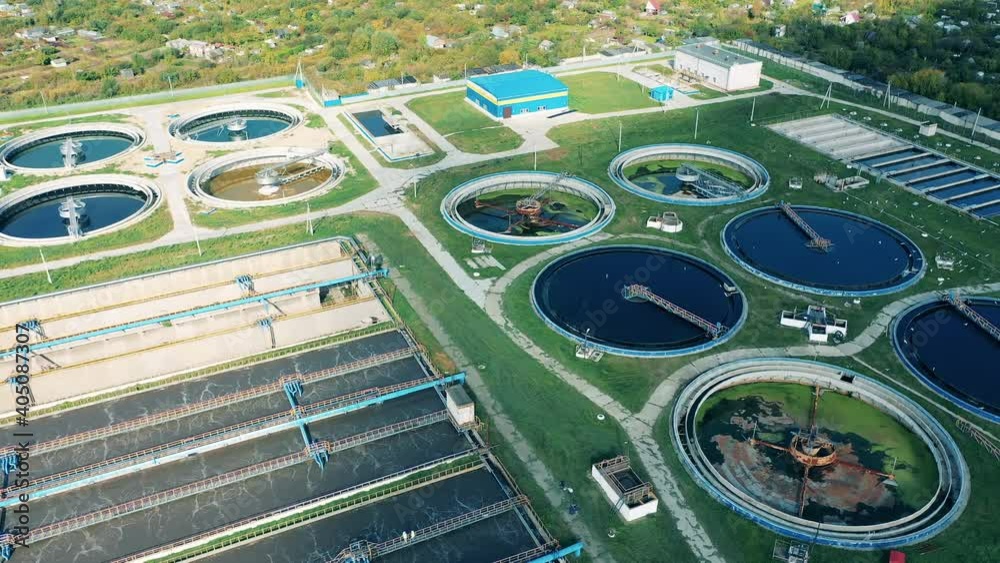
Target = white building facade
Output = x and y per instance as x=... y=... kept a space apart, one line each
x=718 y=67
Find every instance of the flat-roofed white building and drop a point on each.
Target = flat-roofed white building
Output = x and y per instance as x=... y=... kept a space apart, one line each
x=718 y=67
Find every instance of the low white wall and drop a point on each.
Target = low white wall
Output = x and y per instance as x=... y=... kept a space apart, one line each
x=626 y=512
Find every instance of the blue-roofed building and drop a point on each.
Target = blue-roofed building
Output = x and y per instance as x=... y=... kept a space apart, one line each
x=514 y=93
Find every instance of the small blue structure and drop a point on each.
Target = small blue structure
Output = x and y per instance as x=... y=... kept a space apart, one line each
x=662 y=93
x=512 y=93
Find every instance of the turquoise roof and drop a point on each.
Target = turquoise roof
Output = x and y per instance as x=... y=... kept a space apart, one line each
x=519 y=84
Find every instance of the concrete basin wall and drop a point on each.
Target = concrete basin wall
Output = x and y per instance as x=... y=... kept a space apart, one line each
x=939 y=512
x=503 y=181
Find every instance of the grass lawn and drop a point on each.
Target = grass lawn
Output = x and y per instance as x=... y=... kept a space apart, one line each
x=276 y=94
x=100 y=118
x=971 y=538
x=150 y=229
x=586 y=148
x=468 y=129
x=560 y=424
x=315 y=121
x=664 y=69
x=486 y=141
x=196 y=93
x=602 y=92
x=566 y=434
x=706 y=93
x=357 y=183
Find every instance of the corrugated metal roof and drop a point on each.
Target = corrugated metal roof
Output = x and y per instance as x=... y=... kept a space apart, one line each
x=715 y=55
x=519 y=84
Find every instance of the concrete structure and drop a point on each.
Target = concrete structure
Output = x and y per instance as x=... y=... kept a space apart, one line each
x=941 y=178
x=460 y=406
x=134 y=134
x=533 y=180
x=589 y=348
x=760 y=179
x=821 y=325
x=662 y=93
x=632 y=497
x=219 y=458
x=404 y=144
x=140 y=187
x=944 y=262
x=944 y=508
x=182 y=127
x=667 y=222
x=718 y=67
x=208 y=170
x=508 y=94
x=952 y=394
x=188 y=318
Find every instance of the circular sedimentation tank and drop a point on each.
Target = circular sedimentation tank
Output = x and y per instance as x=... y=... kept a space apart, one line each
x=70 y=147
x=612 y=298
x=819 y=453
x=687 y=174
x=236 y=123
x=951 y=354
x=861 y=256
x=528 y=208
x=262 y=177
x=64 y=210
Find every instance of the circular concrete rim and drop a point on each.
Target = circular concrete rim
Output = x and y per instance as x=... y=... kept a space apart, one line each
x=905 y=284
x=136 y=134
x=956 y=400
x=207 y=170
x=295 y=117
x=495 y=183
x=743 y=163
x=144 y=186
x=954 y=480
x=628 y=352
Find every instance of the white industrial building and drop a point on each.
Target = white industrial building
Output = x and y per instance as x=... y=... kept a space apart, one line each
x=820 y=325
x=710 y=63
x=632 y=497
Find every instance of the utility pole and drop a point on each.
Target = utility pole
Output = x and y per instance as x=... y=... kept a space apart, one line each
x=309 y=220
x=697 y=114
x=619 y=136
x=972 y=137
x=45 y=104
x=45 y=264
x=888 y=94
x=753 y=107
x=170 y=81
x=534 y=150
x=197 y=242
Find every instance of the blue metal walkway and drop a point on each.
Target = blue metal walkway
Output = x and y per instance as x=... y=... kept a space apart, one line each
x=258 y=298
